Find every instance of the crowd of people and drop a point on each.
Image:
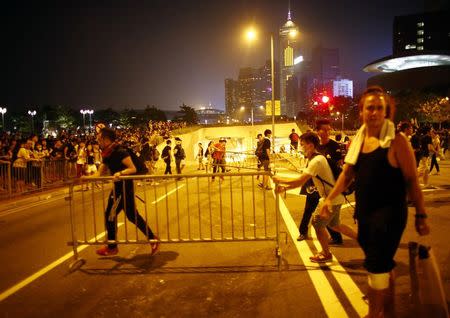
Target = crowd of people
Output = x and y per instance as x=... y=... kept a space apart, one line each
x=75 y=154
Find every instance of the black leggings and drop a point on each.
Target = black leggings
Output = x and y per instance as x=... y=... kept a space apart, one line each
x=130 y=211
x=434 y=163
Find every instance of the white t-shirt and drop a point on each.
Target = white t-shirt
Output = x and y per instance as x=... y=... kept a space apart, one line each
x=318 y=166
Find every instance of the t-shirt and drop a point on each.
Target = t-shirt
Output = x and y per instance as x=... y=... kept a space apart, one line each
x=424 y=142
x=114 y=160
x=294 y=137
x=318 y=166
x=219 y=151
x=331 y=150
x=165 y=153
x=265 y=145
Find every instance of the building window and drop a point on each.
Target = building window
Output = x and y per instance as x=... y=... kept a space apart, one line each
x=420 y=24
x=420 y=48
x=419 y=40
x=410 y=46
x=419 y=32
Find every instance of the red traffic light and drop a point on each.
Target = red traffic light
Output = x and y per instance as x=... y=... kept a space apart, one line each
x=325 y=99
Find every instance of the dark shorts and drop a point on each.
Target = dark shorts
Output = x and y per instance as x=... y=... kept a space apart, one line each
x=265 y=163
x=379 y=234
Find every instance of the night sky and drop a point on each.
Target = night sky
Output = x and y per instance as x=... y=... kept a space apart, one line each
x=165 y=53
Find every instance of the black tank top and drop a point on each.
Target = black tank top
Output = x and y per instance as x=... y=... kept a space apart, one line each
x=377 y=183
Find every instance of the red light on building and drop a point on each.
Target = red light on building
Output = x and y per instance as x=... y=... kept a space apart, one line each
x=325 y=99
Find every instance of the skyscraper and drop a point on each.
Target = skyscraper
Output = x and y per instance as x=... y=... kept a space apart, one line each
x=231 y=96
x=428 y=31
x=288 y=84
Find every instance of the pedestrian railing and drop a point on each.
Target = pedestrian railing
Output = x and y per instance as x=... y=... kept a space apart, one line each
x=194 y=208
x=5 y=179
x=35 y=175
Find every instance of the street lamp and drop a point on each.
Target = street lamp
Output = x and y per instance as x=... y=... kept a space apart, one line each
x=251 y=36
x=342 y=123
x=3 y=111
x=89 y=112
x=83 y=113
x=251 y=112
x=32 y=113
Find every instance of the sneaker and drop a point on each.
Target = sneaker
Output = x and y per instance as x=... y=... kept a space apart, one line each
x=321 y=258
x=268 y=188
x=107 y=251
x=155 y=246
x=302 y=237
x=335 y=243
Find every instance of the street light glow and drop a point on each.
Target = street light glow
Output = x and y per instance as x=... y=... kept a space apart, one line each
x=293 y=33
x=251 y=34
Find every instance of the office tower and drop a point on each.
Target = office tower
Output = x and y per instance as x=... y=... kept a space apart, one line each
x=424 y=32
x=343 y=87
x=288 y=84
x=231 y=96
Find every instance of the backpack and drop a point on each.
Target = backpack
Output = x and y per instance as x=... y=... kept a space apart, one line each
x=138 y=162
x=180 y=154
x=336 y=170
x=155 y=154
x=258 y=151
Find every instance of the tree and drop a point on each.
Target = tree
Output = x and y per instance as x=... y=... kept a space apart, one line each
x=108 y=116
x=187 y=114
x=65 y=118
x=435 y=109
x=153 y=113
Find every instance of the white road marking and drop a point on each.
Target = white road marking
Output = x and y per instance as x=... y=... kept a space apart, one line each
x=48 y=268
x=351 y=290
x=167 y=194
x=62 y=259
x=327 y=296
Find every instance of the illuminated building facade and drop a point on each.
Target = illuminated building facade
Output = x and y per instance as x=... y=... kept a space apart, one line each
x=343 y=87
x=288 y=82
x=421 y=54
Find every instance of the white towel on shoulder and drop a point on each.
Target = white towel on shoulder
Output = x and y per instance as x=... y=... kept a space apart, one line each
x=387 y=134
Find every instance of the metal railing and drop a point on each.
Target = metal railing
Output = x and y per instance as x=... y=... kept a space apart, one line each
x=36 y=175
x=196 y=208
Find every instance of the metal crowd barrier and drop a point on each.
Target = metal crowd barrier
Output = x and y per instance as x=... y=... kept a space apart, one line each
x=249 y=161
x=5 y=179
x=36 y=176
x=193 y=209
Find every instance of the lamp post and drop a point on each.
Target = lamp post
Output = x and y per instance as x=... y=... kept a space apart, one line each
x=89 y=112
x=342 y=120
x=32 y=113
x=3 y=111
x=251 y=36
x=83 y=113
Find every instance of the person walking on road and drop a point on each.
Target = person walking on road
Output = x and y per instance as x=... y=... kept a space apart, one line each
x=265 y=159
x=179 y=155
x=318 y=169
x=219 y=157
x=383 y=166
x=294 y=138
x=166 y=155
x=331 y=150
x=119 y=162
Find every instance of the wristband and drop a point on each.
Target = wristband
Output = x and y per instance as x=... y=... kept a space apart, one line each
x=421 y=216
